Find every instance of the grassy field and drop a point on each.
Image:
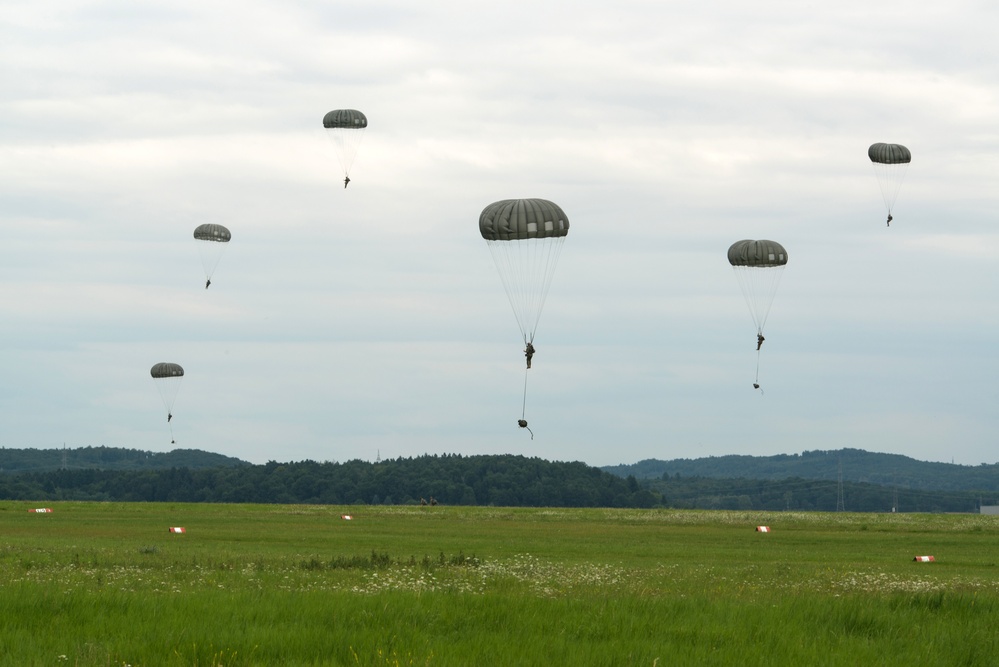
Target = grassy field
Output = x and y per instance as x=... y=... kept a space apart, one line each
x=107 y=584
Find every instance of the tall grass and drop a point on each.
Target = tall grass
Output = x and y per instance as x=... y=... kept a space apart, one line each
x=96 y=584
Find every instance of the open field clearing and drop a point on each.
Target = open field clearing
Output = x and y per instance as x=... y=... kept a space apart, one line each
x=108 y=584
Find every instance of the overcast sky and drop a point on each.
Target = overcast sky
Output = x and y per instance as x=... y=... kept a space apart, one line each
x=366 y=322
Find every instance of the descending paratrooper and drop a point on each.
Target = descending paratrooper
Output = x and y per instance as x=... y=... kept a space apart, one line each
x=167 y=378
x=212 y=240
x=345 y=129
x=890 y=161
x=758 y=266
x=525 y=238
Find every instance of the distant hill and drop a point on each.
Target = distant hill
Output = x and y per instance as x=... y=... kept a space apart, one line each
x=109 y=458
x=857 y=466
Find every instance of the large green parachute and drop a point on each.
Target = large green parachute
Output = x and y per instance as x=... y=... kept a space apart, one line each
x=890 y=161
x=166 y=370
x=525 y=237
x=212 y=240
x=889 y=154
x=345 y=129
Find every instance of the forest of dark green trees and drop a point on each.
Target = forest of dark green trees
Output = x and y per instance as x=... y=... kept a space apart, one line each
x=450 y=479
x=503 y=480
x=108 y=458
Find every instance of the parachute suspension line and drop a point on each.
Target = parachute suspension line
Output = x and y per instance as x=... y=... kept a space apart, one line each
x=522 y=422
x=211 y=254
x=890 y=178
x=551 y=261
x=526 y=268
x=756 y=383
x=523 y=409
x=758 y=286
x=345 y=144
x=509 y=271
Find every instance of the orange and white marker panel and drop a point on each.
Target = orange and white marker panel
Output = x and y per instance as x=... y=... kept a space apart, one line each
x=923 y=559
x=41 y=510
x=177 y=529
x=346 y=517
x=763 y=529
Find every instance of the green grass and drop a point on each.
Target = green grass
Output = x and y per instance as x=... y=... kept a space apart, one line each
x=106 y=584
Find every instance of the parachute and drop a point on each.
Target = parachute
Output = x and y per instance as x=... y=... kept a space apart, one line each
x=167 y=378
x=345 y=129
x=525 y=238
x=890 y=161
x=212 y=241
x=758 y=267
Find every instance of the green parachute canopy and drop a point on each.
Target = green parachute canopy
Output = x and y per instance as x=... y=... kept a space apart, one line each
x=757 y=253
x=212 y=232
x=889 y=154
x=166 y=370
x=525 y=238
x=519 y=219
x=345 y=118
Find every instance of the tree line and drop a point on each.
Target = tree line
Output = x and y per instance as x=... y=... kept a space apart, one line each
x=453 y=479
x=448 y=479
